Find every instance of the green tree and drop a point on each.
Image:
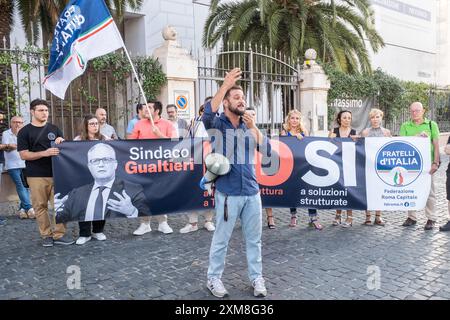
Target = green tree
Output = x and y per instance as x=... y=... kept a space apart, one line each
x=6 y=22
x=337 y=30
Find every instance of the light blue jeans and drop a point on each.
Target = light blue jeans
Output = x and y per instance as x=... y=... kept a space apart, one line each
x=248 y=209
x=22 y=192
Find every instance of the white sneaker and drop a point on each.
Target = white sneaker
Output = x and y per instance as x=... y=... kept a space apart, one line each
x=82 y=240
x=164 y=227
x=143 y=229
x=23 y=214
x=216 y=287
x=209 y=226
x=31 y=214
x=99 y=236
x=189 y=228
x=259 y=287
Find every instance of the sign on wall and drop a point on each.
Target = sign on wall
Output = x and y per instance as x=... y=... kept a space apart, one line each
x=183 y=103
x=359 y=107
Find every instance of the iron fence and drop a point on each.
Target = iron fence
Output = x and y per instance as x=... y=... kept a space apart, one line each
x=270 y=80
x=437 y=109
x=22 y=72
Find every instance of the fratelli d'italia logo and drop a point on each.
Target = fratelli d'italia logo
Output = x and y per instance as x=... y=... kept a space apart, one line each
x=398 y=163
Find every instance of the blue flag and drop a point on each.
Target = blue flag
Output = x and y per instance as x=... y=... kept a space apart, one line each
x=85 y=30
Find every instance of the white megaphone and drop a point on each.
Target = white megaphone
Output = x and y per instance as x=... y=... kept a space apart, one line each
x=216 y=165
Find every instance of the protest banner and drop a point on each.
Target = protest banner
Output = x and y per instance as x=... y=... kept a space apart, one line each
x=323 y=173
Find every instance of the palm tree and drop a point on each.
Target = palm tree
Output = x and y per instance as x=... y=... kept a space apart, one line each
x=337 y=30
x=6 y=21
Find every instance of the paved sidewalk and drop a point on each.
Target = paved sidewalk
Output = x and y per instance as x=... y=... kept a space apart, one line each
x=299 y=263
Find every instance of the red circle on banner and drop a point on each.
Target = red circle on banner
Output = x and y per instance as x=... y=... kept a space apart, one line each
x=285 y=169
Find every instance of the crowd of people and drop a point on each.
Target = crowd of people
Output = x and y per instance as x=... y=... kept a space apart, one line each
x=27 y=151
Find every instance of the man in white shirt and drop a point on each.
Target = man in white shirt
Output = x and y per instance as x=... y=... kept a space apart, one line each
x=14 y=164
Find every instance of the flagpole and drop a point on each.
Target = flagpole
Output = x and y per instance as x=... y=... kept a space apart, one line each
x=139 y=83
x=136 y=76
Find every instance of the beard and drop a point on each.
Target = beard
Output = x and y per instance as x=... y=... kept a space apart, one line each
x=236 y=111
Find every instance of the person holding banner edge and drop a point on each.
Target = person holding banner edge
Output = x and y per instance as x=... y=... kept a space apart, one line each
x=152 y=126
x=375 y=130
x=197 y=130
x=269 y=211
x=237 y=192
x=34 y=146
x=446 y=227
x=90 y=130
x=422 y=127
x=344 y=130
x=293 y=127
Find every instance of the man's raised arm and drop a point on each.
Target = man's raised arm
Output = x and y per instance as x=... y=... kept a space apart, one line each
x=229 y=81
x=211 y=107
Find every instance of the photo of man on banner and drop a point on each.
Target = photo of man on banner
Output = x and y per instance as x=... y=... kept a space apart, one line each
x=104 y=198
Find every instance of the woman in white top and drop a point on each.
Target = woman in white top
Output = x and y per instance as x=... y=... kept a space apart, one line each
x=375 y=130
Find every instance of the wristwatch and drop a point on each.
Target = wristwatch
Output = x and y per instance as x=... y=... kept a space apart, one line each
x=437 y=163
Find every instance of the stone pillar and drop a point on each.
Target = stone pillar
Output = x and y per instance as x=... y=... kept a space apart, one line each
x=313 y=95
x=181 y=71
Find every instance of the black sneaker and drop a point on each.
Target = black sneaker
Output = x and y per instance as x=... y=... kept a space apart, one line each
x=429 y=225
x=409 y=222
x=64 y=241
x=47 y=242
x=445 y=227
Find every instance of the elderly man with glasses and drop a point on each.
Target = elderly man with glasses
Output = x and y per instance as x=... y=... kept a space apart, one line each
x=14 y=165
x=422 y=127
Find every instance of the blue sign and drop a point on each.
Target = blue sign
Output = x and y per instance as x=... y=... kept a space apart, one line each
x=181 y=102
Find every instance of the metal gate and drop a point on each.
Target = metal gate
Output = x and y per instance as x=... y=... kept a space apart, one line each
x=437 y=109
x=439 y=103
x=270 y=80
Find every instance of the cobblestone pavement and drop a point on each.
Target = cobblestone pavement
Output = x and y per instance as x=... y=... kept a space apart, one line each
x=298 y=263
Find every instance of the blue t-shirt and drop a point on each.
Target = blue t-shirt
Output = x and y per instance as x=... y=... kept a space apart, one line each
x=131 y=124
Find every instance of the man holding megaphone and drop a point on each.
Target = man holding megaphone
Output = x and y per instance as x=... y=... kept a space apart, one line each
x=236 y=188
